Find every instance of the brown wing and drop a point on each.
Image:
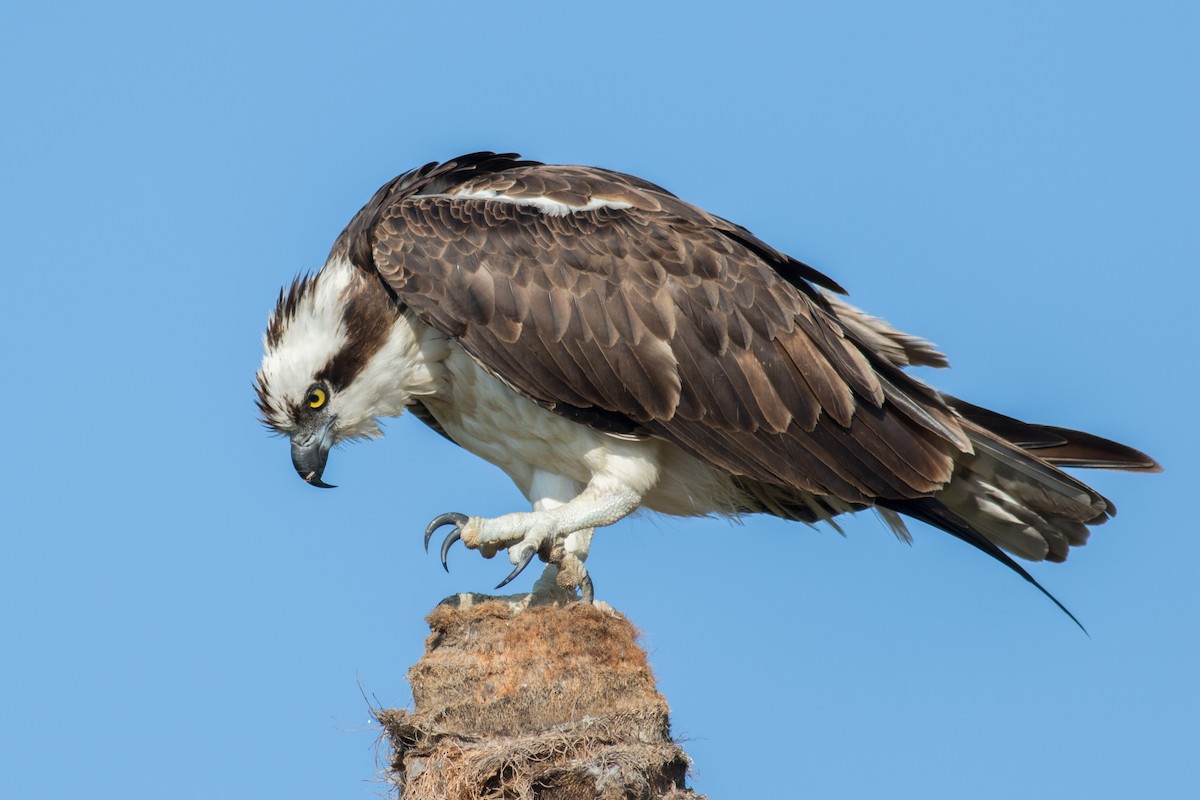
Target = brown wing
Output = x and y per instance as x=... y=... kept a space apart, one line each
x=661 y=319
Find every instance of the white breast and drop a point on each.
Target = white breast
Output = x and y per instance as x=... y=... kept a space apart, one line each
x=496 y=423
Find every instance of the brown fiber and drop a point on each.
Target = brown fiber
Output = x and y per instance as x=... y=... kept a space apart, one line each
x=547 y=702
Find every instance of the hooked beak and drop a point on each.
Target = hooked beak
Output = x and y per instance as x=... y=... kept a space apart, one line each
x=310 y=450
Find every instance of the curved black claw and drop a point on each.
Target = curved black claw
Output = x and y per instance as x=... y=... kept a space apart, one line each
x=449 y=518
x=454 y=536
x=520 y=567
x=587 y=591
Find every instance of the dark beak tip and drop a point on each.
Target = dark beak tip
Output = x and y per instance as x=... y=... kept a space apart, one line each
x=313 y=480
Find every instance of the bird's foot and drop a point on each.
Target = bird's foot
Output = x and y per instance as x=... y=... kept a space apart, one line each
x=524 y=535
x=567 y=575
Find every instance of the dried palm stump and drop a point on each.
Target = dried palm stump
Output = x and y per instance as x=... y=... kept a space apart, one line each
x=542 y=702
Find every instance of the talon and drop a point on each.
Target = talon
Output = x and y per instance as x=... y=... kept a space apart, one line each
x=454 y=536
x=587 y=592
x=449 y=518
x=524 y=562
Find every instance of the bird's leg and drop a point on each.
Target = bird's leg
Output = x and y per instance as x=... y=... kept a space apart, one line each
x=559 y=531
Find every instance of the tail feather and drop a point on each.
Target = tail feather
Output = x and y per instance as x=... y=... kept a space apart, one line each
x=1007 y=494
x=1035 y=480
x=1062 y=447
x=1020 y=502
x=1010 y=496
x=932 y=512
x=1085 y=451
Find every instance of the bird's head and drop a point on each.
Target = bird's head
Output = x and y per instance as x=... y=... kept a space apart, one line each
x=337 y=354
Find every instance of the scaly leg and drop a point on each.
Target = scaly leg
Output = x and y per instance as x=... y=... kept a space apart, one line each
x=564 y=568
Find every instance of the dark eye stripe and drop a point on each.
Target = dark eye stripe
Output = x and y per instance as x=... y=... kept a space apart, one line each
x=368 y=318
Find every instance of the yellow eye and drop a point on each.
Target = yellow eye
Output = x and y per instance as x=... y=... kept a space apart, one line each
x=316 y=397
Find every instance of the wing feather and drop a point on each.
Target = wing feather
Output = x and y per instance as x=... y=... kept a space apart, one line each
x=642 y=308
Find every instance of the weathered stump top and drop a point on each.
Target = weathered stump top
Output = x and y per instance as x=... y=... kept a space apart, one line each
x=545 y=701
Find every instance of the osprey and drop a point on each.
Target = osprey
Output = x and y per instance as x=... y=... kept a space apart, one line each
x=612 y=347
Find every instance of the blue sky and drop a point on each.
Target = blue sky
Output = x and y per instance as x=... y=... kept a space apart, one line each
x=183 y=617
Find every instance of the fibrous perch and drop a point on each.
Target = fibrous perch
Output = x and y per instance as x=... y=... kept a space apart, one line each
x=523 y=702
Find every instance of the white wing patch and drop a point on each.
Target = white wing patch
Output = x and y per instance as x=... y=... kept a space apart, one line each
x=546 y=205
